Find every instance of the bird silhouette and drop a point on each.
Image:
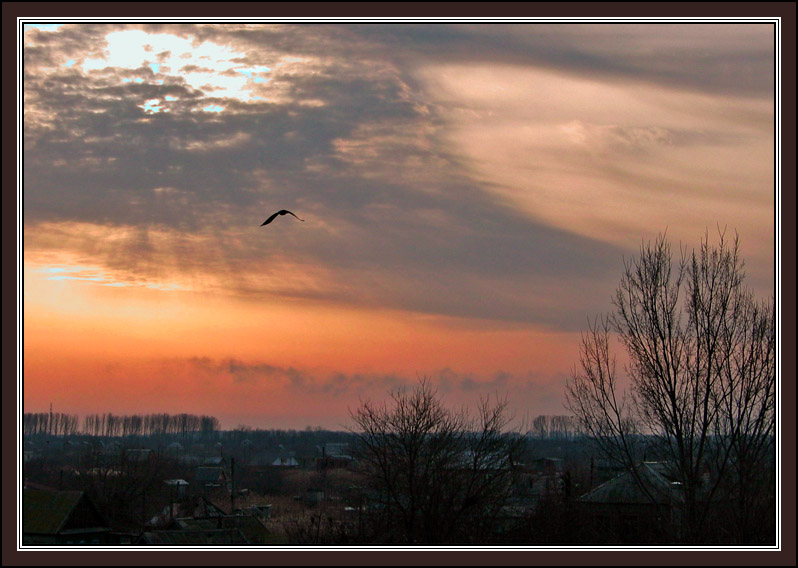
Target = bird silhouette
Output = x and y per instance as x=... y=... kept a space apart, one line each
x=280 y=212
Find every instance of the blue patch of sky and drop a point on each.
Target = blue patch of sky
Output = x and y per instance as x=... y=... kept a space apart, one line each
x=252 y=71
x=44 y=27
x=92 y=274
x=103 y=281
x=94 y=279
x=152 y=106
x=155 y=67
x=213 y=108
x=66 y=272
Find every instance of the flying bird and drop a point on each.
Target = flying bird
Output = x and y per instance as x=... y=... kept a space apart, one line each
x=280 y=212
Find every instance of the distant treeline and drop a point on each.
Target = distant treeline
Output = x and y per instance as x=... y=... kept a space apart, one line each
x=111 y=425
x=555 y=427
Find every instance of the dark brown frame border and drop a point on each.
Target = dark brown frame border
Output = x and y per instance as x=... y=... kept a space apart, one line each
x=12 y=282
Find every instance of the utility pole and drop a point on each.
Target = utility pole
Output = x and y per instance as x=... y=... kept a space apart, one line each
x=232 y=486
x=143 y=508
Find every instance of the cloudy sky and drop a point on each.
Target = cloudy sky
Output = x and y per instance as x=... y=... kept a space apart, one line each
x=469 y=194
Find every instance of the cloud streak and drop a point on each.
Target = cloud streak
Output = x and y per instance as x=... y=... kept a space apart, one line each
x=349 y=386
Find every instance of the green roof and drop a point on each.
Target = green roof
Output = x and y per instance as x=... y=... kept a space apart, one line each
x=46 y=512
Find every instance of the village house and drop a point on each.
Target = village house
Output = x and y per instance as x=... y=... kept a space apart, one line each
x=210 y=477
x=179 y=488
x=198 y=521
x=214 y=461
x=635 y=506
x=62 y=518
x=334 y=462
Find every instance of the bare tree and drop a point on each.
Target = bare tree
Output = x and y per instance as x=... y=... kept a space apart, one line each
x=701 y=377
x=542 y=426
x=52 y=423
x=556 y=426
x=435 y=475
x=148 y=425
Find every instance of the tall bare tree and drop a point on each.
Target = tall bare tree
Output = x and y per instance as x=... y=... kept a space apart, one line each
x=435 y=475
x=699 y=384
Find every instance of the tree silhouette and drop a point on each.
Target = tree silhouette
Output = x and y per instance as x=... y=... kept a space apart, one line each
x=435 y=475
x=701 y=374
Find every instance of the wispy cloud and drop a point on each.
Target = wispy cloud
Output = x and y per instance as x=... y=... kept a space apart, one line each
x=349 y=386
x=302 y=381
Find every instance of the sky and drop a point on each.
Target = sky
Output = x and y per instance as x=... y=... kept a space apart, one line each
x=469 y=194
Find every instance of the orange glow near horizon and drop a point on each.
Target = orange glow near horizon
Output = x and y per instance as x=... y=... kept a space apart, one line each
x=90 y=348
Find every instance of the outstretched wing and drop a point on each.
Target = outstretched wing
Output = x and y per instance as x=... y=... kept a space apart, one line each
x=270 y=219
x=284 y=211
